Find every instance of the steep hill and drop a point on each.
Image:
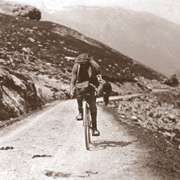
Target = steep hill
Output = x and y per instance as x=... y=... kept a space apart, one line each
x=149 y=39
x=28 y=45
x=45 y=52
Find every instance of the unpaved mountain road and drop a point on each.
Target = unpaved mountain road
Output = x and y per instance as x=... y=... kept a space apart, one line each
x=50 y=145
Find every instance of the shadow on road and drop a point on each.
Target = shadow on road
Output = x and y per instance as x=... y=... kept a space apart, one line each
x=100 y=145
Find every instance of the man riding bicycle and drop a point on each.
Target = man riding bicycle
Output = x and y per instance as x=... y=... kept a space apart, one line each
x=85 y=70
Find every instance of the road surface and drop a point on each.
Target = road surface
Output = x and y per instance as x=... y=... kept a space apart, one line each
x=50 y=145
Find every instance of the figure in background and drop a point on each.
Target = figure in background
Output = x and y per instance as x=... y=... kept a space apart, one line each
x=106 y=91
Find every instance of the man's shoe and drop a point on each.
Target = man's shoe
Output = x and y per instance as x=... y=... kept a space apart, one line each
x=95 y=132
x=79 y=117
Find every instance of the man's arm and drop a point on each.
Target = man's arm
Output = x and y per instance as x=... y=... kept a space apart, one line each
x=73 y=78
x=95 y=65
x=110 y=87
x=98 y=70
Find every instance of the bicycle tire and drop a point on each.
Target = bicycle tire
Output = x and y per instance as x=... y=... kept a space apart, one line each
x=86 y=117
x=89 y=125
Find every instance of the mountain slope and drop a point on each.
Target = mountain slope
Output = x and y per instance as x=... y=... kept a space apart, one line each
x=45 y=42
x=39 y=55
x=142 y=36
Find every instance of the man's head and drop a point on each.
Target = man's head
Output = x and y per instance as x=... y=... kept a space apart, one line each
x=82 y=58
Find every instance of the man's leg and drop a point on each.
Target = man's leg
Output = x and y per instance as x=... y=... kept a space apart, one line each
x=93 y=109
x=107 y=99
x=80 y=108
x=104 y=99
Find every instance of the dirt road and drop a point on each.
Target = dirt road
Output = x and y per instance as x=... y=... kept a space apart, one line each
x=50 y=145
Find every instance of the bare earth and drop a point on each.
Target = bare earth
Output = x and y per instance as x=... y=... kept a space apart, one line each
x=50 y=145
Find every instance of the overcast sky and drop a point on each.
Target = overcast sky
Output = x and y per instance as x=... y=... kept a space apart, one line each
x=169 y=9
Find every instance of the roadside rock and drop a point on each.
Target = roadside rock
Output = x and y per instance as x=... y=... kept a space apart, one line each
x=18 y=94
x=172 y=117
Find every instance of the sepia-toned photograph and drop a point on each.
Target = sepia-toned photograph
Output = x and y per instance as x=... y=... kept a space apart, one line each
x=89 y=90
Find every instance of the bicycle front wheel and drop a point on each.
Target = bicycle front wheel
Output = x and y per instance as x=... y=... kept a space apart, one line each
x=86 y=125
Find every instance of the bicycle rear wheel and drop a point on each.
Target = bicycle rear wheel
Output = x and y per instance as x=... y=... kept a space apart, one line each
x=86 y=119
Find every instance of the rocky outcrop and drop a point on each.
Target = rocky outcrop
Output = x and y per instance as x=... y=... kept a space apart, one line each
x=18 y=94
x=26 y=11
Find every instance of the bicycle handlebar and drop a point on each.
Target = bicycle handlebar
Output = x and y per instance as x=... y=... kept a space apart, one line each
x=92 y=85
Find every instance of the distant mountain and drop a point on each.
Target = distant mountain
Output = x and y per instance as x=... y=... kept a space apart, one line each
x=149 y=39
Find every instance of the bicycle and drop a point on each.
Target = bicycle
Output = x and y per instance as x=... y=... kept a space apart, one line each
x=87 y=121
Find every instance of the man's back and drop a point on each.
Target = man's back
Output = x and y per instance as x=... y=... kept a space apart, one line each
x=87 y=71
x=83 y=74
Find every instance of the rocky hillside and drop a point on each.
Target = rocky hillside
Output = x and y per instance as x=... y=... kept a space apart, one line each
x=158 y=112
x=25 y=43
x=46 y=51
x=159 y=115
x=148 y=38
